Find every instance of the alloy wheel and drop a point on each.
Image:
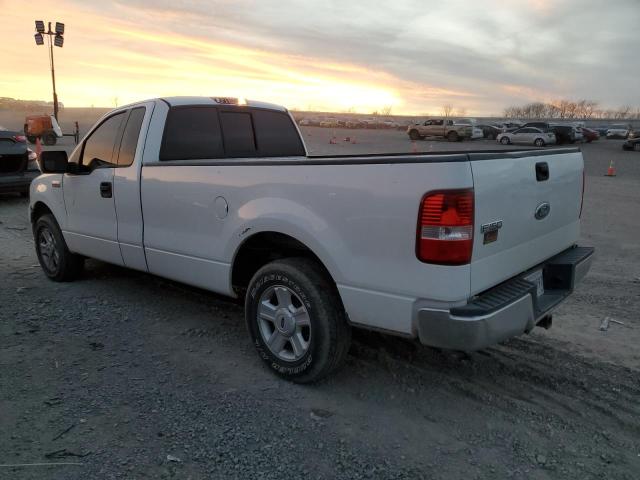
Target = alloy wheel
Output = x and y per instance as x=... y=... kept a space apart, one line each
x=284 y=323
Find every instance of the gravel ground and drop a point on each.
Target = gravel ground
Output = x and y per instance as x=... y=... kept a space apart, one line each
x=125 y=375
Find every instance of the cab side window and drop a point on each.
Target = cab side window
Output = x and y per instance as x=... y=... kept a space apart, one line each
x=98 y=151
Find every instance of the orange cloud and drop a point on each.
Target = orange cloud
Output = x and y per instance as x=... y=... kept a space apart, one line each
x=106 y=58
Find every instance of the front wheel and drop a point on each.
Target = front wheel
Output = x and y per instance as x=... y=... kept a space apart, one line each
x=57 y=262
x=296 y=320
x=539 y=142
x=505 y=141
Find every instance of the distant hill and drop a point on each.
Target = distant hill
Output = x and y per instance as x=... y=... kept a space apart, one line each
x=7 y=103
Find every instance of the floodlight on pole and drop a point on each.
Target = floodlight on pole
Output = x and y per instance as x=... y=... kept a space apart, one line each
x=58 y=41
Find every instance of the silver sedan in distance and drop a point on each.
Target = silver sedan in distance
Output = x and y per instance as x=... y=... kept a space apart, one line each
x=527 y=136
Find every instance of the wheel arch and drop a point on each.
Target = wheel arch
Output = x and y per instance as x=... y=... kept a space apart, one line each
x=266 y=246
x=39 y=208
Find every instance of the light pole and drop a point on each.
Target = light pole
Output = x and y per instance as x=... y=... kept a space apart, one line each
x=58 y=41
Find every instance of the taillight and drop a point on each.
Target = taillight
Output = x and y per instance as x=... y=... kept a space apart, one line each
x=582 y=199
x=20 y=138
x=445 y=227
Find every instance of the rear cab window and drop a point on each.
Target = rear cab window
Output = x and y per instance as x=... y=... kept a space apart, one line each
x=211 y=132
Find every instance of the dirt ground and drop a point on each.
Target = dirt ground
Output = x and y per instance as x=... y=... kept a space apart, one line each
x=125 y=375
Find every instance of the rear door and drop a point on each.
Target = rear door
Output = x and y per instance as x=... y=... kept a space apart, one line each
x=436 y=129
x=522 y=136
x=126 y=186
x=184 y=215
x=527 y=208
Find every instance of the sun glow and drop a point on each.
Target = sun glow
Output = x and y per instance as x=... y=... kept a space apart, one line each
x=108 y=61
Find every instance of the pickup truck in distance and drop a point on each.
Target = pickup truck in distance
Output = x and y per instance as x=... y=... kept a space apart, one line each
x=459 y=250
x=441 y=127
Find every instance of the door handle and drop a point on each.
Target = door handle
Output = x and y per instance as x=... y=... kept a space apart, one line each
x=542 y=171
x=106 y=190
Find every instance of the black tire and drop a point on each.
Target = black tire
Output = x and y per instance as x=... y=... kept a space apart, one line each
x=636 y=146
x=329 y=334
x=414 y=135
x=69 y=265
x=505 y=141
x=32 y=139
x=49 y=138
x=539 y=142
x=452 y=136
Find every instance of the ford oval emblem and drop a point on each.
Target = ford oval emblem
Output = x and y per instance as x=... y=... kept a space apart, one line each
x=542 y=210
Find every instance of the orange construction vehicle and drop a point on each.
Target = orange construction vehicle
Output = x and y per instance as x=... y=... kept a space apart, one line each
x=44 y=127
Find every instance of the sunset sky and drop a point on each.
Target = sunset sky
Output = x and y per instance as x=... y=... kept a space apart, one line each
x=414 y=56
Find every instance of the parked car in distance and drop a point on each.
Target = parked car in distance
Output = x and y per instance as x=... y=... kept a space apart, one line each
x=541 y=125
x=589 y=134
x=564 y=133
x=475 y=131
x=579 y=135
x=511 y=125
x=440 y=127
x=602 y=130
x=632 y=144
x=634 y=133
x=618 y=131
x=528 y=136
x=18 y=164
x=490 y=131
x=224 y=197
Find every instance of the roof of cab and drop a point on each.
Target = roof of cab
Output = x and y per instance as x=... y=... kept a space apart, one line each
x=180 y=101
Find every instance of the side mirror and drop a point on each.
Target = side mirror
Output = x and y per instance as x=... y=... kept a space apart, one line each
x=54 y=161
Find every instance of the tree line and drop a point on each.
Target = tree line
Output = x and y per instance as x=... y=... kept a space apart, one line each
x=569 y=109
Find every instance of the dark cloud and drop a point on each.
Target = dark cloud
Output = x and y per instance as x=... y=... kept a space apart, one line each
x=571 y=48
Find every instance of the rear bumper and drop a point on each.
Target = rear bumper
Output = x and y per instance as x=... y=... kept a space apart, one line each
x=509 y=309
x=18 y=182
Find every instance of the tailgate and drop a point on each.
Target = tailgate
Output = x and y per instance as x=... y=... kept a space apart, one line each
x=510 y=188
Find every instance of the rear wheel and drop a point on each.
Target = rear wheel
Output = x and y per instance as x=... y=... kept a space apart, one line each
x=452 y=136
x=57 y=262
x=296 y=320
x=539 y=142
x=49 y=138
x=505 y=141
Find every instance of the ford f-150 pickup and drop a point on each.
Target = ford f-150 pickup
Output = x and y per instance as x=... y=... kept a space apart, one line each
x=459 y=250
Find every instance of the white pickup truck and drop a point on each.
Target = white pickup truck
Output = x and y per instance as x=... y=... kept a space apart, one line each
x=460 y=250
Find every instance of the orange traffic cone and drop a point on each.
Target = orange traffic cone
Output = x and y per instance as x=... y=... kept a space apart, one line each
x=611 y=171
